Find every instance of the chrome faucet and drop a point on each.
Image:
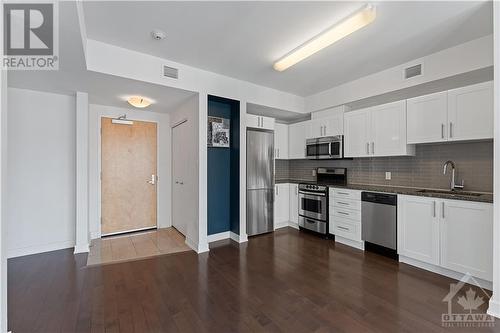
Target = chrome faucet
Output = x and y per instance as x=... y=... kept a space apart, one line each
x=453 y=186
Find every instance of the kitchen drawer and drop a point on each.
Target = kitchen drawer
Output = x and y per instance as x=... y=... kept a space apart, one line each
x=347 y=229
x=345 y=203
x=346 y=194
x=347 y=213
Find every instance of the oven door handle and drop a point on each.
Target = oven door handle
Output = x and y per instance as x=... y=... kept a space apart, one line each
x=312 y=193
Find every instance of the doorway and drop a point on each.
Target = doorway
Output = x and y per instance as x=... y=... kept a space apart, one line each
x=128 y=176
x=181 y=203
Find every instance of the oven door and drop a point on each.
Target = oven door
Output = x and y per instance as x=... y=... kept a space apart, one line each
x=315 y=149
x=313 y=205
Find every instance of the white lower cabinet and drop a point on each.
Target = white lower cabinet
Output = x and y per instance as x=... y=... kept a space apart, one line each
x=281 y=205
x=345 y=216
x=294 y=204
x=453 y=234
x=467 y=237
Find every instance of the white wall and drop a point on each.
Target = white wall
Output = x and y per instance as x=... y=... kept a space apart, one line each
x=459 y=59
x=494 y=304
x=3 y=192
x=189 y=112
x=164 y=164
x=40 y=207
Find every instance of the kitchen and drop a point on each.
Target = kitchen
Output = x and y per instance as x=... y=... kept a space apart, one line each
x=411 y=179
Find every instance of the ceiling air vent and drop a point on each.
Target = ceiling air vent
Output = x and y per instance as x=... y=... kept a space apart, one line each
x=170 y=72
x=413 y=71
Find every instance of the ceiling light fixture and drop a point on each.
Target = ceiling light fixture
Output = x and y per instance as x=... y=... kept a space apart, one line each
x=358 y=20
x=139 y=102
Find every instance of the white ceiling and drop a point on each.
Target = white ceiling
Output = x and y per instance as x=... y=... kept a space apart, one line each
x=102 y=89
x=243 y=39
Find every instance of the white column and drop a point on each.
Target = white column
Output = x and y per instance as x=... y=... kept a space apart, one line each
x=494 y=306
x=242 y=237
x=82 y=173
x=202 y=172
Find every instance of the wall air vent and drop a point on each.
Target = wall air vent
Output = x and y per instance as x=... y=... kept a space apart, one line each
x=170 y=72
x=413 y=71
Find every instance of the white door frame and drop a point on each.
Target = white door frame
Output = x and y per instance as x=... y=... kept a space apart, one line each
x=99 y=168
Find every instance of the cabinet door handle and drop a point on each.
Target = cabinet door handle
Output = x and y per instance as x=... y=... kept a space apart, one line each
x=442 y=131
x=342 y=228
x=342 y=203
x=296 y=190
x=343 y=213
x=442 y=209
x=367 y=148
x=278 y=153
x=451 y=129
x=373 y=148
x=277 y=190
x=344 y=193
x=434 y=208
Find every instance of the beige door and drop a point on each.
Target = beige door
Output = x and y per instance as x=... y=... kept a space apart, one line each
x=128 y=183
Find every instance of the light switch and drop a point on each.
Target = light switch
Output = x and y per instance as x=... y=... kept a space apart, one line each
x=387 y=176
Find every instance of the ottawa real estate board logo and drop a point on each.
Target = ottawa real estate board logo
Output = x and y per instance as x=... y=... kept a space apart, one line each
x=30 y=40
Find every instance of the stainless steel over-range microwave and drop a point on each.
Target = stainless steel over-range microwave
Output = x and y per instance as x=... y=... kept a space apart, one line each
x=330 y=147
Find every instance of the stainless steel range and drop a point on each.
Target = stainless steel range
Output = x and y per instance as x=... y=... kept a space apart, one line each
x=313 y=199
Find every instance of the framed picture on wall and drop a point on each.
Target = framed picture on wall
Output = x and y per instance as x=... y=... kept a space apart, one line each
x=218 y=132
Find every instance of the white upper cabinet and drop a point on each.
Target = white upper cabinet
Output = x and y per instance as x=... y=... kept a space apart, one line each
x=470 y=112
x=297 y=140
x=454 y=115
x=357 y=133
x=260 y=122
x=377 y=131
x=281 y=141
x=388 y=130
x=427 y=118
x=329 y=123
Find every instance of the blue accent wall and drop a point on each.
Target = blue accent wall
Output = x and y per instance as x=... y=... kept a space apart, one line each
x=222 y=175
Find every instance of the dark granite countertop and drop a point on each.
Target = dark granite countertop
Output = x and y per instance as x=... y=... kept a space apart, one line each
x=481 y=197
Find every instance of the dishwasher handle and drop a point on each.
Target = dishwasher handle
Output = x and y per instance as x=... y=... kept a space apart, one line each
x=380 y=198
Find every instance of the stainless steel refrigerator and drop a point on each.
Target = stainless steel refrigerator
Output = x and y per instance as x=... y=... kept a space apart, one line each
x=260 y=181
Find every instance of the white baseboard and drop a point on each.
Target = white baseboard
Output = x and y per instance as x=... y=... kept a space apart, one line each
x=443 y=271
x=280 y=225
x=293 y=225
x=81 y=248
x=494 y=307
x=35 y=249
x=198 y=248
x=95 y=234
x=218 y=237
x=360 y=245
x=238 y=238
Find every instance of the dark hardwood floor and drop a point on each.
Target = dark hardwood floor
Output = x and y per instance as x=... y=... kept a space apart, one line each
x=287 y=281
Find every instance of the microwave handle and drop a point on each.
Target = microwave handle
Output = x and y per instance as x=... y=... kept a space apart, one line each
x=330 y=149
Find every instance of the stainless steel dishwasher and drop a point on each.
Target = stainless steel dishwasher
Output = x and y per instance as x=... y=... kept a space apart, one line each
x=379 y=222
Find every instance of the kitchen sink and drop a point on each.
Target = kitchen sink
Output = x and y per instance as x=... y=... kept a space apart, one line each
x=452 y=193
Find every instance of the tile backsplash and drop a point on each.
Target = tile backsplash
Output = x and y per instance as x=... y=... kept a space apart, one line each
x=473 y=160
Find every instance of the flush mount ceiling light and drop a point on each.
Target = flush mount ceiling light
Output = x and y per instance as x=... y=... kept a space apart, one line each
x=358 y=20
x=139 y=102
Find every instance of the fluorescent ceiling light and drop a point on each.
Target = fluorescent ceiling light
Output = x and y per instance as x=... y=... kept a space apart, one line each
x=139 y=102
x=358 y=20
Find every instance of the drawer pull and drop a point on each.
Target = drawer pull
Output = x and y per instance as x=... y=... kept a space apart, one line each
x=343 y=213
x=343 y=193
x=342 y=203
x=342 y=228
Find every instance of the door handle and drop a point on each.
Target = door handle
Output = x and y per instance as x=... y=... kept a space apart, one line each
x=373 y=147
x=442 y=209
x=451 y=128
x=442 y=131
x=434 y=208
x=182 y=183
x=152 y=181
x=367 y=148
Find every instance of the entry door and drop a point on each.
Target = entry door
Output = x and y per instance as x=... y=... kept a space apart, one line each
x=129 y=174
x=181 y=205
